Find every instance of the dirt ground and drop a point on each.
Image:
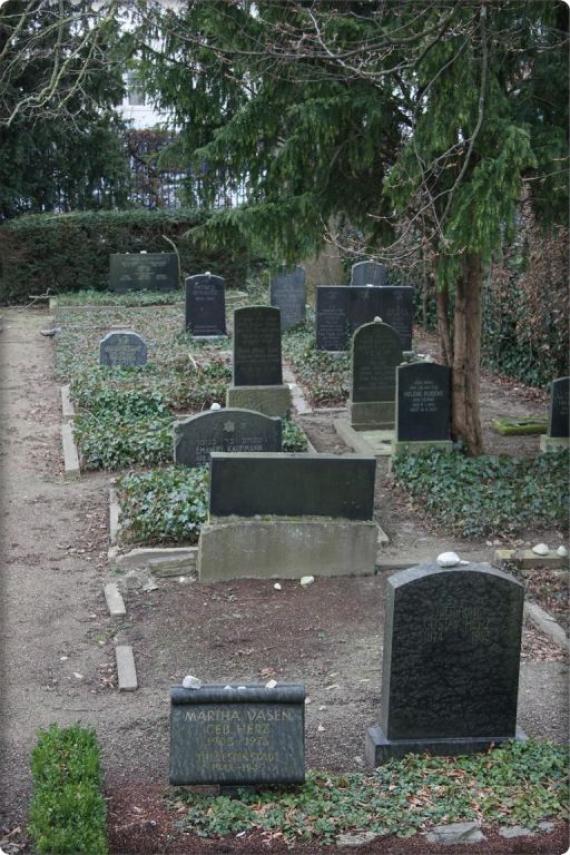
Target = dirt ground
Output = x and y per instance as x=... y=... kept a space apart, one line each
x=58 y=640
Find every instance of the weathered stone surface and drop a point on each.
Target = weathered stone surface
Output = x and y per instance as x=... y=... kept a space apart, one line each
x=288 y=293
x=512 y=831
x=368 y=273
x=224 y=430
x=257 y=346
x=230 y=735
x=451 y=661
x=423 y=402
x=340 y=310
x=558 y=415
x=269 y=400
x=359 y=839
x=205 y=305
x=122 y=349
x=277 y=548
x=456 y=833
x=151 y=271
x=292 y=485
x=376 y=353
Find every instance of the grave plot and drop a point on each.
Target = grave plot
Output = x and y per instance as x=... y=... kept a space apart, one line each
x=124 y=414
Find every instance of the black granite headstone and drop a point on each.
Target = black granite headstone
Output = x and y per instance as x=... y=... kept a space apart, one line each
x=559 y=398
x=423 y=402
x=450 y=675
x=122 y=349
x=368 y=273
x=376 y=353
x=332 y=317
x=237 y=735
x=341 y=310
x=289 y=294
x=224 y=430
x=143 y=271
x=257 y=346
x=205 y=305
x=292 y=485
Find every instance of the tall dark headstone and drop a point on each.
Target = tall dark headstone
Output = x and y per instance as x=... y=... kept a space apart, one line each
x=205 y=305
x=122 y=349
x=143 y=271
x=559 y=399
x=224 y=430
x=237 y=735
x=450 y=676
x=257 y=346
x=376 y=353
x=368 y=273
x=289 y=294
x=423 y=402
x=332 y=317
x=341 y=310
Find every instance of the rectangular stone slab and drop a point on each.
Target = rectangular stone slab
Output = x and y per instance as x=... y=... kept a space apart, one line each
x=232 y=736
x=423 y=402
x=292 y=485
x=257 y=346
x=288 y=293
x=151 y=271
x=341 y=309
x=205 y=308
x=558 y=416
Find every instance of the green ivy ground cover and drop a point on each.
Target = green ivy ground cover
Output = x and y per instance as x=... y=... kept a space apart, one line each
x=111 y=298
x=477 y=496
x=516 y=784
x=325 y=378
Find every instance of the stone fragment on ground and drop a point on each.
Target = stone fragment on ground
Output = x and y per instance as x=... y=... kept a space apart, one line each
x=455 y=833
x=359 y=839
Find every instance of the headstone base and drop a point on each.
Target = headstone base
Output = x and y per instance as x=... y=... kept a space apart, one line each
x=412 y=447
x=553 y=443
x=372 y=415
x=269 y=400
x=217 y=337
x=379 y=749
x=287 y=548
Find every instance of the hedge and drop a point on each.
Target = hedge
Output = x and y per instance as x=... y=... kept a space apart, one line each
x=67 y=811
x=70 y=252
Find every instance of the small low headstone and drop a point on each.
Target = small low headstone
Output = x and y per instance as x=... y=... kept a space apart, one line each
x=143 y=271
x=289 y=294
x=558 y=421
x=368 y=273
x=423 y=405
x=205 y=305
x=237 y=735
x=376 y=353
x=224 y=430
x=122 y=349
x=452 y=643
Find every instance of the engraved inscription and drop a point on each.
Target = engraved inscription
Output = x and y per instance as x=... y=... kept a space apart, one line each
x=423 y=396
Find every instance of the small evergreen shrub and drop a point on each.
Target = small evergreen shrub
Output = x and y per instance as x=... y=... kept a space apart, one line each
x=67 y=811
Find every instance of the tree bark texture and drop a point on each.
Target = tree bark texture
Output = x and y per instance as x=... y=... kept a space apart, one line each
x=466 y=423
x=442 y=304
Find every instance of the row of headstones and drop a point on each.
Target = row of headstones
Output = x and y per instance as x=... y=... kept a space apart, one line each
x=451 y=661
x=339 y=310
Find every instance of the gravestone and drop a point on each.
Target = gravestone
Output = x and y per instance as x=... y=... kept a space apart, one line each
x=292 y=485
x=143 y=271
x=224 y=430
x=122 y=349
x=368 y=273
x=376 y=353
x=558 y=430
x=332 y=318
x=205 y=306
x=289 y=294
x=423 y=406
x=257 y=371
x=340 y=310
x=288 y=516
x=451 y=659
x=237 y=735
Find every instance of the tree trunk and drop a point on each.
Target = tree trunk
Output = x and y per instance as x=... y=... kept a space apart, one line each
x=442 y=304
x=466 y=356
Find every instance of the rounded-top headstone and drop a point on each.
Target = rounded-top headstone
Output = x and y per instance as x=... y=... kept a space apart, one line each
x=205 y=305
x=368 y=273
x=376 y=352
x=226 y=430
x=122 y=349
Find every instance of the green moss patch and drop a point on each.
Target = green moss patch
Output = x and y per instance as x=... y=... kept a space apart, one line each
x=519 y=427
